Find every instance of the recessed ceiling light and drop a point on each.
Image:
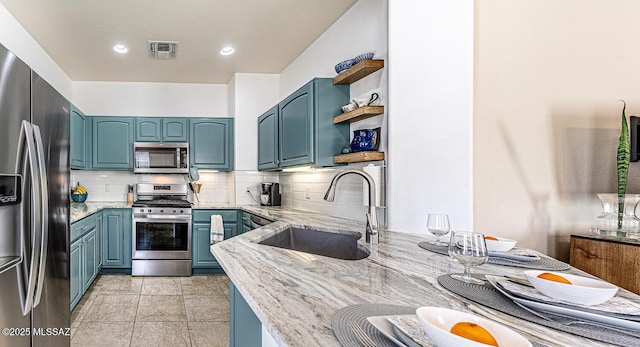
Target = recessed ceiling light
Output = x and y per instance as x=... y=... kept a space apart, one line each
x=227 y=50
x=120 y=49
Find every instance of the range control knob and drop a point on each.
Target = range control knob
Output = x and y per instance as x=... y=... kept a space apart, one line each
x=174 y=211
x=142 y=210
x=161 y=211
x=149 y=210
x=181 y=211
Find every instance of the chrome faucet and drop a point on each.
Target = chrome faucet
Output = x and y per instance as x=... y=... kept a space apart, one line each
x=371 y=230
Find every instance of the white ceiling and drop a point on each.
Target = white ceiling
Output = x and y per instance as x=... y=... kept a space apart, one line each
x=267 y=34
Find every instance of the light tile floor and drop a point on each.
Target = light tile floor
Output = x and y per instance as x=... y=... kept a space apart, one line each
x=120 y=310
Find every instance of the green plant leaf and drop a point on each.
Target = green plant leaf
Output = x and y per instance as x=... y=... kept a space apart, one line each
x=624 y=155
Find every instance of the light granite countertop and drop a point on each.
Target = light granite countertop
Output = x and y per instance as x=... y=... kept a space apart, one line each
x=295 y=294
x=82 y=210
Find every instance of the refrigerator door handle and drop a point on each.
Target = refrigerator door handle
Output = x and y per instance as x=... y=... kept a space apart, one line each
x=27 y=156
x=44 y=213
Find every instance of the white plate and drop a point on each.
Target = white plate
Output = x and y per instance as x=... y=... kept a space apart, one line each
x=382 y=324
x=519 y=254
x=616 y=322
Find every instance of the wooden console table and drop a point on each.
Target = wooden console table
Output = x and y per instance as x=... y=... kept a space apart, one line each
x=612 y=259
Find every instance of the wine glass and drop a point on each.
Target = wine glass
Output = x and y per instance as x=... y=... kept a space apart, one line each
x=438 y=225
x=468 y=249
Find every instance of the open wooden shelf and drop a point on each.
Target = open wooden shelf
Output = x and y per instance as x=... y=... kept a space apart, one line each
x=358 y=71
x=359 y=113
x=358 y=157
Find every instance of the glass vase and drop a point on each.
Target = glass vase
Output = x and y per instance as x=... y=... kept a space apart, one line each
x=608 y=223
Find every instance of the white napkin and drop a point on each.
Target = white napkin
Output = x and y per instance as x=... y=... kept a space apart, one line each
x=216 y=232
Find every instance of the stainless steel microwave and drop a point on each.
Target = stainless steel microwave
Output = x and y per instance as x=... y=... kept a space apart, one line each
x=161 y=157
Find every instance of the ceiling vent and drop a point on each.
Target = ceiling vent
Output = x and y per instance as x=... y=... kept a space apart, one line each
x=163 y=50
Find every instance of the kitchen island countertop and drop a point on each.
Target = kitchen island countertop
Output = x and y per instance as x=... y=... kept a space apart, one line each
x=294 y=294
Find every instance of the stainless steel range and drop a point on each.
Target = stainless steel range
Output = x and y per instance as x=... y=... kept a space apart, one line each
x=161 y=231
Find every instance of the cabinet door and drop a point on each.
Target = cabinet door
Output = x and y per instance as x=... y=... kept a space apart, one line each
x=99 y=240
x=75 y=273
x=230 y=230
x=148 y=129
x=127 y=230
x=211 y=143
x=175 y=129
x=296 y=127
x=112 y=143
x=89 y=260
x=245 y=327
x=268 y=154
x=202 y=256
x=113 y=247
x=78 y=140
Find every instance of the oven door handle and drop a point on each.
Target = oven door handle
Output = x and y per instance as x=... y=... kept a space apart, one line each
x=168 y=219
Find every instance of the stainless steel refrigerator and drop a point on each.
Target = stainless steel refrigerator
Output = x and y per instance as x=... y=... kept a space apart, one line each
x=34 y=208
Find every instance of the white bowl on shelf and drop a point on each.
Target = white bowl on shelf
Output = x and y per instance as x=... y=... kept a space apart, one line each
x=437 y=323
x=582 y=290
x=500 y=245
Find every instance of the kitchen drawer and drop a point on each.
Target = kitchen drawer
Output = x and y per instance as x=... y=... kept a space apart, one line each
x=82 y=226
x=228 y=216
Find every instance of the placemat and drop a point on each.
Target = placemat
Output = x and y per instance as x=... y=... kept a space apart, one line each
x=543 y=263
x=358 y=313
x=488 y=296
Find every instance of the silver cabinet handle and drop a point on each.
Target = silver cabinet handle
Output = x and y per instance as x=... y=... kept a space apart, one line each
x=27 y=159
x=44 y=208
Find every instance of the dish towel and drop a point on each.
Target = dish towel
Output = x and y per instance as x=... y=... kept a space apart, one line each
x=217 y=229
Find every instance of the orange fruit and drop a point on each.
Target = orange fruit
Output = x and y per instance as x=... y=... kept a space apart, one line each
x=555 y=278
x=491 y=238
x=474 y=332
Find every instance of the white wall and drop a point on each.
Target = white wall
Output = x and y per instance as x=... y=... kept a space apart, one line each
x=430 y=107
x=363 y=28
x=151 y=99
x=547 y=115
x=253 y=95
x=15 y=38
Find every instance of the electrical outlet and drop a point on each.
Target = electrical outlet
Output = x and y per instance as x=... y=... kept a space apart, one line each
x=107 y=187
x=248 y=189
x=307 y=193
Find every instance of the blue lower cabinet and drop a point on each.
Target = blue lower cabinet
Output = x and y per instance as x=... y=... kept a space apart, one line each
x=116 y=239
x=202 y=257
x=201 y=236
x=202 y=260
x=75 y=273
x=89 y=260
x=84 y=262
x=245 y=327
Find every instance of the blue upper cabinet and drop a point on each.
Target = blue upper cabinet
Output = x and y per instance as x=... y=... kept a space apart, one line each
x=211 y=143
x=268 y=140
x=296 y=127
x=79 y=139
x=175 y=129
x=148 y=129
x=305 y=130
x=156 y=129
x=112 y=143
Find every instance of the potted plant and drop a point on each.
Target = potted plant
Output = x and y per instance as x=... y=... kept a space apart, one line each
x=619 y=209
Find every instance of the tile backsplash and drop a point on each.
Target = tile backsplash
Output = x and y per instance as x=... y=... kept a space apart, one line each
x=305 y=190
x=300 y=190
x=112 y=185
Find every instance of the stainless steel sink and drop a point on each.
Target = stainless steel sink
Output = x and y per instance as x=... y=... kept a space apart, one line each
x=325 y=243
